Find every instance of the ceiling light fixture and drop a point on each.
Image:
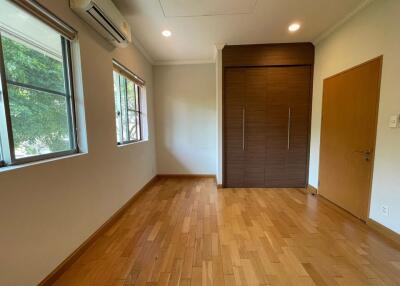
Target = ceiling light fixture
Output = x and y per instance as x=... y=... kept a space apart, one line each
x=166 y=33
x=294 y=27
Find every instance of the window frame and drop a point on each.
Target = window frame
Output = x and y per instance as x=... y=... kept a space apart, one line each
x=139 y=84
x=7 y=140
x=43 y=14
x=2 y=162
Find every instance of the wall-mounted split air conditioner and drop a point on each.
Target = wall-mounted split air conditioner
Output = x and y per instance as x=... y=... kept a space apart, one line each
x=105 y=18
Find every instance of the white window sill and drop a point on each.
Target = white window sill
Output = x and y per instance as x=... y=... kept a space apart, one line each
x=26 y=165
x=132 y=143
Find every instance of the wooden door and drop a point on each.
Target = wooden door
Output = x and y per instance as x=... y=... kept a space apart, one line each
x=287 y=124
x=234 y=113
x=349 y=120
x=255 y=127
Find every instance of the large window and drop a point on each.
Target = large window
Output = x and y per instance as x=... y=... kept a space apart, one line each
x=128 y=90
x=36 y=100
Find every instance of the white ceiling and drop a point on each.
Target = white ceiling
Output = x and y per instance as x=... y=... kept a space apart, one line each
x=193 y=8
x=197 y=25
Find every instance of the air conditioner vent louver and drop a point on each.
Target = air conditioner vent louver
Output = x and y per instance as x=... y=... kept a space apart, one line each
x=105 y=18
x=106 y=24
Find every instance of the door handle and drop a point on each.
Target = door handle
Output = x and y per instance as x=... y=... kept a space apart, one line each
x=289 y=127
x=243 y=127
x=364 y=152
x=367 y=153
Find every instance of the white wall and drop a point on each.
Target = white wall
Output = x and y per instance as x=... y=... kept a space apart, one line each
x=218 y=70
x=371 y=33
x=185 y=108
x=49 y=209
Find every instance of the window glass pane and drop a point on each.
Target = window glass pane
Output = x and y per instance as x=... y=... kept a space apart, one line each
x=39 y=122
x=22 y=25
x=1 y=152
x=133 y=126
x=124 y=109
x=30 y=61
x=131 y=96
x=118 y=113
x=28 y=66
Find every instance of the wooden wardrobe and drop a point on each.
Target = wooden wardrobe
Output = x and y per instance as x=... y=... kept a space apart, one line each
x=267 y=109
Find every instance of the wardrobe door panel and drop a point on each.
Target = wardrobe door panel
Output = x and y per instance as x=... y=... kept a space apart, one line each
x=276 y=147
x=255 y=127
x=266 y=126
x=277 y=127
x=299 y=103
x=296 y=163
x=233 y=127
x=287 y=122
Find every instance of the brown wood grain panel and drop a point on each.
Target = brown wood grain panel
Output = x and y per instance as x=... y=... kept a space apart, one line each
x=300 y=106
x=274 y=79
x=233 y=127
x=255 y=127
x=277 y=127
x=288 y=94
x=268 y=55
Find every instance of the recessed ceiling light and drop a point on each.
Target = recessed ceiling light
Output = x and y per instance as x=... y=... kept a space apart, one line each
x=294 y=27
x=166 y=33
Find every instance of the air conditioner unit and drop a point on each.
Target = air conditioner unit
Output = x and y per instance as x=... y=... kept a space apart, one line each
x=105 y=18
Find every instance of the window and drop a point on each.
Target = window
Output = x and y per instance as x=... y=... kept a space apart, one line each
x=2 y=163
x=36 y=100
x=128 y=93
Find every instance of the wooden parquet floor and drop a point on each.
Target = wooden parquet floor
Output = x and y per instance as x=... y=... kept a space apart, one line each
x=186 y=232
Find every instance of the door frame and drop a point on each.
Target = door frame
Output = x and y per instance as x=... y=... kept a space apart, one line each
x=380 y=60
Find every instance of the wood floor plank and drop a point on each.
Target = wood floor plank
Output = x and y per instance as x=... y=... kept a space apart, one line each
x=183 y=231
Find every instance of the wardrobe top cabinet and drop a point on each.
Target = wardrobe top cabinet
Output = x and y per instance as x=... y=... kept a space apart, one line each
x=267 y=106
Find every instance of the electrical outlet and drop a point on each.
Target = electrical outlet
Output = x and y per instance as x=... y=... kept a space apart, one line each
x=385 y=210
x=394 y=121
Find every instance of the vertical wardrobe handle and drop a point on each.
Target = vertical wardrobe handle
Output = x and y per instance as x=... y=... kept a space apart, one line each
x=243 y=127
x=289 y=127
